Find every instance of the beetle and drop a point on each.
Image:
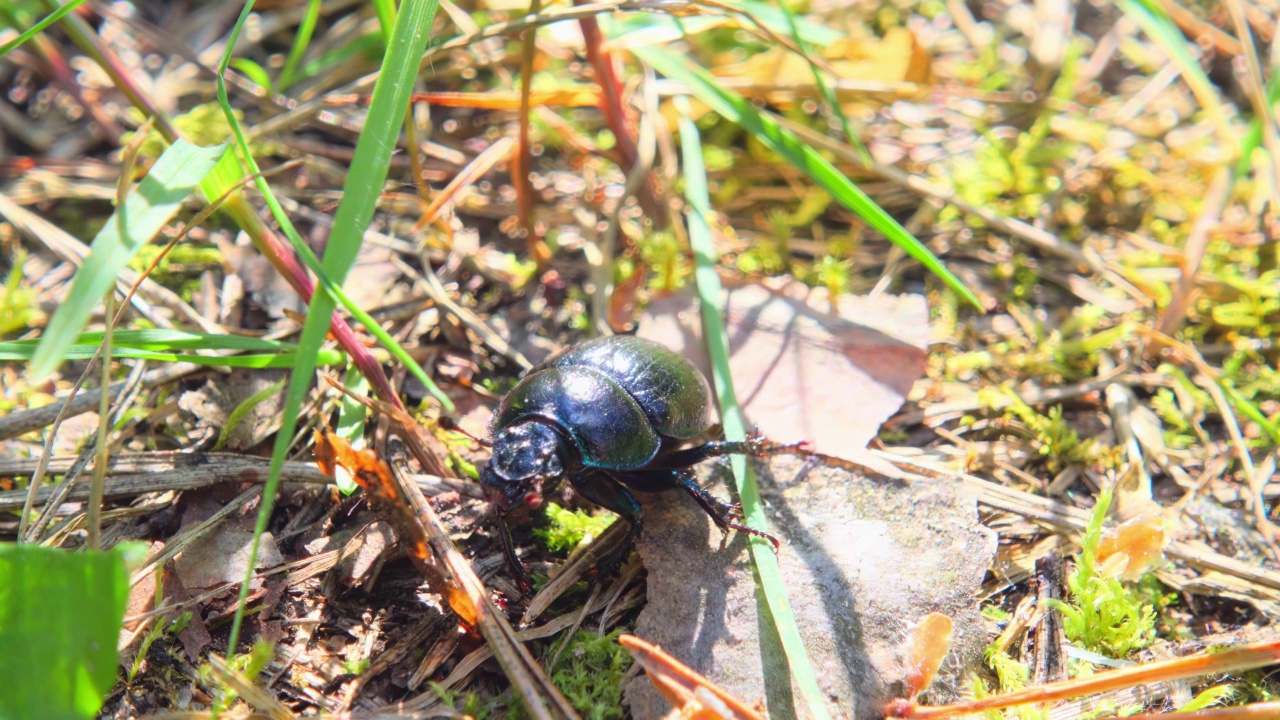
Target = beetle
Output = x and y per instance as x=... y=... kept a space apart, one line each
x=610 y=415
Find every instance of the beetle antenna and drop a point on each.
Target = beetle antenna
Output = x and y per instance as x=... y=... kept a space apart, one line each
x=448 y=423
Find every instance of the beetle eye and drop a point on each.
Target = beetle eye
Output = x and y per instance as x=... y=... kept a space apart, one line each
x=533 y=500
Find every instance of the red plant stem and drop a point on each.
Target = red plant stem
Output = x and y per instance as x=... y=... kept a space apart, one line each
x=614 y=115
x=281 y=257
x=610 y=87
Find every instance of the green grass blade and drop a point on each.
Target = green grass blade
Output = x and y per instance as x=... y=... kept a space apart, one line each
x=1155 y=22
x=39 y=27
x=369 y=168
x=828 y=95
x=242 y=411
x=147 y=208
x=637 y=29
x=164 y=339
x=301 y=42
x=1253 y=138
x=60 y=617
x=17 y=352
x=708 y=282
x=805 y=158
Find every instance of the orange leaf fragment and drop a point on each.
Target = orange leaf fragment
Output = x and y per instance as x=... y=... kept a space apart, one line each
x=1133 y=547
x=374 y=476
x=925 y=651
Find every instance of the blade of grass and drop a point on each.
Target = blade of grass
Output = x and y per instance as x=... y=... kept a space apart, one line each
x=165 y=340
x=828 y=95
x=708 y=282
x=23 y=353
x=147 y=208
x=805 y=158
x=60 y=618
x=39 y=27
x=94 y=513
x=369 y=169
x=1151 y=16
x=301 y=42
x=242 y=411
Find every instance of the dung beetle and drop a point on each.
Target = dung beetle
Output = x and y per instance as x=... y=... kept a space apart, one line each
x=611 y=415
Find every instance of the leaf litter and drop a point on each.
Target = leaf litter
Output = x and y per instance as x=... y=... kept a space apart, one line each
x=1055 y=162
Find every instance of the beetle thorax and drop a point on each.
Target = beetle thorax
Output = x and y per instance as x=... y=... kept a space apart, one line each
x=525 y=456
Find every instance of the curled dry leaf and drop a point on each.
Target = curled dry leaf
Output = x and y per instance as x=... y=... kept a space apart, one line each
x=692 y=695
x=1132 y=548
x=925 y=650
x=373 y=475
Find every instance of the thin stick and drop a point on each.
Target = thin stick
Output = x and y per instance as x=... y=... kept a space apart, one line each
x=94 y=519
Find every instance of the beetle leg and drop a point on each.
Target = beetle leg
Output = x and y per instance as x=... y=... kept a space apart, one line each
x=513 y=561
x=722 y=514
x=608 y=493
x=756 y=446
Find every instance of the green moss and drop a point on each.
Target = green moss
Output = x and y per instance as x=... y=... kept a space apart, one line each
x=180 y=268
x=590 y=673
x=17 y=304
x=1104 y=615
x=669 y=261
x=568 y=528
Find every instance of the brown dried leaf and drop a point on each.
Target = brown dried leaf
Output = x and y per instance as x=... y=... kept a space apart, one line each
x=801 y=372
x=692 y=695
x=373 y=475
x=925 y=651
x=223 y=555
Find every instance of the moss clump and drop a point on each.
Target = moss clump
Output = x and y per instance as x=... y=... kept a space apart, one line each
x=568 y=528
x=1104 y=615
x=590 y=673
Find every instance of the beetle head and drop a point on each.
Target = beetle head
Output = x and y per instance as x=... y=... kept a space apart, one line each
x=525 y=456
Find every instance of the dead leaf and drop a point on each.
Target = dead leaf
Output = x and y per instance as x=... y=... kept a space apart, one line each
x=360 y=549
x=211 y=407
x=222 y=555
x=142 y=596
x=195 y=635
x=897 y=57
x=802 y=373
x=862 y=559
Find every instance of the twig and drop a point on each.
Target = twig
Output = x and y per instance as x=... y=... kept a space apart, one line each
x=1193 y=250
x=62 y=488
x=104 y=431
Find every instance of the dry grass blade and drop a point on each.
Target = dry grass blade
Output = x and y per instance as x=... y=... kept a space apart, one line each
x=573 y=571
x=484 y=162
x=1193 y=250
x=541 y=699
